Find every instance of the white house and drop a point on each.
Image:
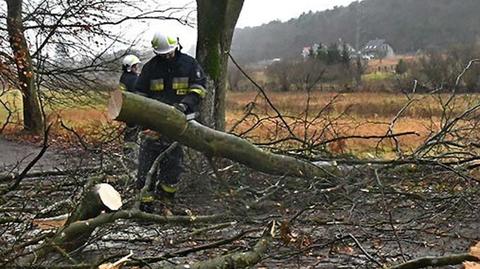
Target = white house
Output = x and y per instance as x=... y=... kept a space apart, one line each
x=378 y=49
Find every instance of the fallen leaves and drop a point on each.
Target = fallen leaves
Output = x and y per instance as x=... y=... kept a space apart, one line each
x=474 y=251
x=347 y=250
x=50 y=223
x=471 y=265
x=298 y=238
x=285 y=233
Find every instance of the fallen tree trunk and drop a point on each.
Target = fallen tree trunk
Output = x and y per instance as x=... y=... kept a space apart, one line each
x=168 y=121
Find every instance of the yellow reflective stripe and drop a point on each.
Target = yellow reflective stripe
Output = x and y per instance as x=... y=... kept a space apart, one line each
x=200 y=91
x=180 y=83
x=122 y=87
x=182 y=91
x=148 y=198
x=157 y=85
x=168 y=188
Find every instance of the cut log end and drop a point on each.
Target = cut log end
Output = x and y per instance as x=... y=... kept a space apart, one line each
x=109 y=196
x=115 y=104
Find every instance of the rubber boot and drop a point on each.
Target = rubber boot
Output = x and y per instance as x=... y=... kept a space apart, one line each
x=165 y=196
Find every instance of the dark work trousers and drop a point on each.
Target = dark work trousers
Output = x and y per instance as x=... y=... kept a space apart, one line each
x=169 y=169
x=131 y=133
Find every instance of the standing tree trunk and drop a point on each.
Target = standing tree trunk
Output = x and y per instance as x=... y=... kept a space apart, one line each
x=216 y=23
x=32 y=114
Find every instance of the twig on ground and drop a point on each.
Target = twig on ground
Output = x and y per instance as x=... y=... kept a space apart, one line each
x=436 y=261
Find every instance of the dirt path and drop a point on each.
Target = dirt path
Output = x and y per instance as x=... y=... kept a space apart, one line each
x=17 y=155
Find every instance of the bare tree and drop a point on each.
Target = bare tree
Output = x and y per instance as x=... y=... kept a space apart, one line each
x=67 y=46
x=32 y=113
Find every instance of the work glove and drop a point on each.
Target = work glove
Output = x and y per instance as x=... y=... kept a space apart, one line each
x=151 y=133
x=181 y=107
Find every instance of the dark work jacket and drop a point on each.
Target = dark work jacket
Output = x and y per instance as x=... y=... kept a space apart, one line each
x=128 y=81
x=178 y=80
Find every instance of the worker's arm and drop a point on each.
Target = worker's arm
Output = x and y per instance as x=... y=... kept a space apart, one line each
x=142 y=84
x=197 y=88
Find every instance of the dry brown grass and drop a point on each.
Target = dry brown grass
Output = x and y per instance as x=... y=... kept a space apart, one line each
x=369 y=105
x=80 y=116
x=364 y=114
x=269 y=131
x=389 y=64
x=88 y=121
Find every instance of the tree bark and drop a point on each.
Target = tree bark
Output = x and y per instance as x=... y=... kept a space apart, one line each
x=235 y=260
x=436 y=261
x=68 y=236
x=167 y=120
x=32 y=114
x=216 y=24
x=98 y=199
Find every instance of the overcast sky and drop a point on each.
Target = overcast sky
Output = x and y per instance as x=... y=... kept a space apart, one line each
x=257 y=12
x=254 y=13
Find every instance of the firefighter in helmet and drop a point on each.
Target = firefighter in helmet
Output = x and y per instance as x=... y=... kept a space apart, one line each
x=176 y=79
x=131 y=69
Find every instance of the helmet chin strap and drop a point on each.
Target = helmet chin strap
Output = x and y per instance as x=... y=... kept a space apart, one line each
x=180 y=47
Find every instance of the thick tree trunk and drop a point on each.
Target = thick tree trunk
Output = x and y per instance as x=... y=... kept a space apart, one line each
x=136 y=109
x=32 y=113
x=216 y=23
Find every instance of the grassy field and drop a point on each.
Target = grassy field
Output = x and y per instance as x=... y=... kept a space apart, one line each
x=362 y=114
x=14 y=102
x=79 y=109
x=84 y=114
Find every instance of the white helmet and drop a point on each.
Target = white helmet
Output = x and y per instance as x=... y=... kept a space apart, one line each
x=163 y=44
x=129 y=61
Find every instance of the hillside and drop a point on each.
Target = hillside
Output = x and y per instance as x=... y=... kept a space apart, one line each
x=408 y=25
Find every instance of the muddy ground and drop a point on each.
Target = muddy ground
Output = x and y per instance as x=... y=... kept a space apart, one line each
x=364 y=218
